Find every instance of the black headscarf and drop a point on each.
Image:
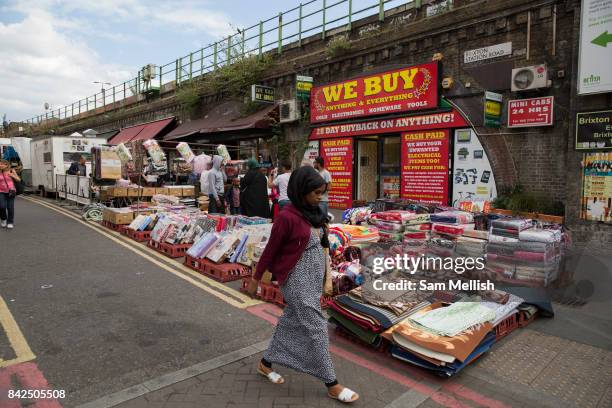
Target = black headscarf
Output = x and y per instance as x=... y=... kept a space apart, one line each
x=302 y=182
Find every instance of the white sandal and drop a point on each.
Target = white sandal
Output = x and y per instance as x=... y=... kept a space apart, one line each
x=273 y=376
x=346 y=396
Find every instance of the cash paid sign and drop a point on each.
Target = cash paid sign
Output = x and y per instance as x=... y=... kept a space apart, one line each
x=401 y=90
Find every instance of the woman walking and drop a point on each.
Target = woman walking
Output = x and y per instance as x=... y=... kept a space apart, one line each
x=295 y=256
x=8 y=177
x=254 y=192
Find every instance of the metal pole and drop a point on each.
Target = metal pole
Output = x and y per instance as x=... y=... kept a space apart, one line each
x=113 y=96
x=202 y=61
x=350 y=14
x=160 y=79
x=324 y=14
x=381 y=10
x=176 y=72
x=260 y=37
x=87 y=104
x=242 y=42
x=215 y=55
x=229 y=50
x=190 y=65
x=280 y=33
x=300 y=27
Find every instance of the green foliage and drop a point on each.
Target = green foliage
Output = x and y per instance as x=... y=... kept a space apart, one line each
x=236 y=79
x=188 y=96
x=338 y=46
x=516 y=199
x=278 y=139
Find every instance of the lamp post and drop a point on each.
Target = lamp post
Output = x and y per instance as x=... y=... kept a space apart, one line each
x=101 y=83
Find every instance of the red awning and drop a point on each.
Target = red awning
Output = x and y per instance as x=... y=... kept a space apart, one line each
x=223 y=118
x=144 y=131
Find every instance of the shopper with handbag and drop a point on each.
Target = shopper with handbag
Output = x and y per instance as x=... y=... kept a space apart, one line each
x=296 y=257
x=9 y=180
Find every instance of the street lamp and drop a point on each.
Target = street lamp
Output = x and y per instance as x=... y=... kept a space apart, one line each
x=103 y=90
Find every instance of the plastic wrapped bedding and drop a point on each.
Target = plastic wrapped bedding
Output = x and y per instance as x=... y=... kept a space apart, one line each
x=540 y=235
x=452 y=217
x=390 y=236
x=454 y=230
x=502 y=232
x=498 y=239
x=388 y=226
x=533 y=246
x=514 y=224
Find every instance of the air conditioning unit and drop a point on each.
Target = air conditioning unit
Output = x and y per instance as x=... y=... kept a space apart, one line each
x=289 y=111
x=527 y=78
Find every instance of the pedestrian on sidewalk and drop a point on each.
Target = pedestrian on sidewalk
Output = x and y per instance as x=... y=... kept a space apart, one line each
x=254 y=192
x=8 y=191
x=232 y=197
x=319 y=165
x=281 y=182
x=216 y=187
x=295 y=256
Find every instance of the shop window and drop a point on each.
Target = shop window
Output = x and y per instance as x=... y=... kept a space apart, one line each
x=390 y=167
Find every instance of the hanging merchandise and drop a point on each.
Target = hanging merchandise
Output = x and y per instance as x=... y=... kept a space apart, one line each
x=156 y=152
x=223 y=152
x=201 y=163
x=123 y=152
x=186 y=152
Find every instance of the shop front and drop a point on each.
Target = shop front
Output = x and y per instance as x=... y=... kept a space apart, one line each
x=409 y=151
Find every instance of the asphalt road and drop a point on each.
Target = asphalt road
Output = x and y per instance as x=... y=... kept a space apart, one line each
x=98 y=316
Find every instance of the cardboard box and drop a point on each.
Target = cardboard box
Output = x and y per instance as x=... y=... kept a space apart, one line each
x=118 y=216
x=118 y=191
x=188 y=191
x=161 y=190
x=176 y=191
x=134 y=192
x=148 y=191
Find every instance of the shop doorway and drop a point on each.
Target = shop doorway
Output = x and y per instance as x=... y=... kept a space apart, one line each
x=390 y=166
x=367 y=170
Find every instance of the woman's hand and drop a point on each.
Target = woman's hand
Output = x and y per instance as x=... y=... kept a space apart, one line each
x=13 y=175
x=252 y=288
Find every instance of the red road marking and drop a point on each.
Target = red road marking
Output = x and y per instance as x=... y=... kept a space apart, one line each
x=270 y=313
x=30 y=378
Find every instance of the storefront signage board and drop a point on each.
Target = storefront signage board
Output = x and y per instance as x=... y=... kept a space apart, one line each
x=312 y=151
x=338 y=157
x=594 y=130
x=262 y=94
x=442 y=120
x=597 y=187
x=425 y=166
x=595 y=58
x=531 y=112
x=492 y=109
x=401 y=90
x=485 y=53
x=303 y=85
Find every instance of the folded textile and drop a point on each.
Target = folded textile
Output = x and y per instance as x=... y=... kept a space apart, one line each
x=484 y=235
x=418 y=227
x=502 y=311
x=533 y=256
x=389 y=226
x=363 y=334
x=384 y=317
x=451 y=229
x=516 y=224
x=357 y=318
x=391 y=236
x=501 y=249
x=501 y=232
x=398 y=302
x=540 y=235
x=452 y=217
x=459 y=346
x=453 y=319
x=534 y=246
x=449 y=369
x=498 y=239
x=420 y=235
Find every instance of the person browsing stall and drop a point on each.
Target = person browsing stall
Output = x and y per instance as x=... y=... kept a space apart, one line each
x=216 y=186
x=281 y=182
x=295 y=255
x=319 y=165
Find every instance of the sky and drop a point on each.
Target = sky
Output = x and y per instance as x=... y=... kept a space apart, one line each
x=53 y=50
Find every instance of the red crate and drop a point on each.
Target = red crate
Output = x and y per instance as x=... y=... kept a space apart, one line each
x=139 y=236
x=271 y=293
x=170 y=250
x=506 y=326
x=114 y=227
x=220 y=272
x=523 y=320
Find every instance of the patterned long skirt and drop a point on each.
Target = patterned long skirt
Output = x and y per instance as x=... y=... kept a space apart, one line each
x=301 y=340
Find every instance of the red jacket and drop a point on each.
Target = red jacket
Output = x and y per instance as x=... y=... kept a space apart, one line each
x=288 y=240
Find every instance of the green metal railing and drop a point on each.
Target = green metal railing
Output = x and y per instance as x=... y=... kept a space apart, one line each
x=292 y=26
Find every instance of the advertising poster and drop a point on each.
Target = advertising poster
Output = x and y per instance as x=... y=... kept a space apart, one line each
x=594 y=130
x=530 y=112
x=338 y=156
x=492 y=109
x=595 y=60
x=425 y=166
x=597 y=187
x=391 y=186
x=473 y=180
x=400 y=90
x=312 y=151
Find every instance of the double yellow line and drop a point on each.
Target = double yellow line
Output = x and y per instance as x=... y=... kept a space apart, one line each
x=19 y=344
x=217 y=289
